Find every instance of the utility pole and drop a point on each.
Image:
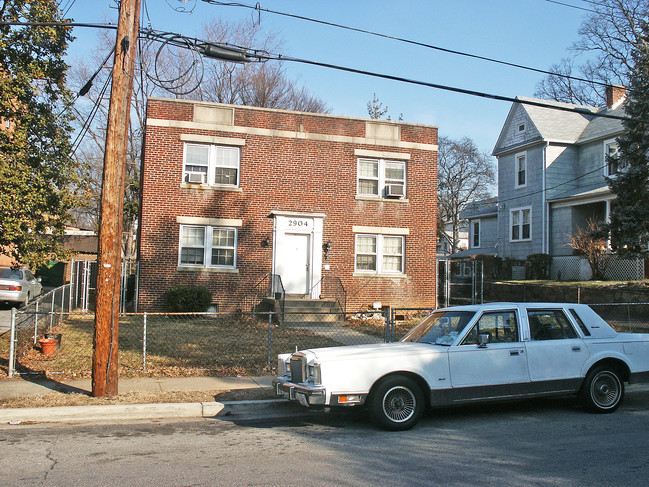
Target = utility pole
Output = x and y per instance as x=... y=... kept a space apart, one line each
x=105 y=343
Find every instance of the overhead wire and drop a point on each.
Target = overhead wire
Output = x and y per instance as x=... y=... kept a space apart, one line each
x=91 y=116
x=539 y=191
x=258 y=8
x=261 y=56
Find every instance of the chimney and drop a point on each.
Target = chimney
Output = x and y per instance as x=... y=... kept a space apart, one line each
x=615 y=94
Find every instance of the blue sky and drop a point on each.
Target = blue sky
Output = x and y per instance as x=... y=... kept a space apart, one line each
x=530 y=32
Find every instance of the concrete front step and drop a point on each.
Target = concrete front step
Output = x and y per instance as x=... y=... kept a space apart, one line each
x=325 y=317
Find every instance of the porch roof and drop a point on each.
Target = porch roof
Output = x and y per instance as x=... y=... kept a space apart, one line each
x=584 y=195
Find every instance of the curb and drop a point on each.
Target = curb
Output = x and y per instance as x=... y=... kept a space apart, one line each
x=119 y=412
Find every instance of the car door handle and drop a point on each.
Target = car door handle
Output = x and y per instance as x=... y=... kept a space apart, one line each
x=514 y=352
x=576 y=349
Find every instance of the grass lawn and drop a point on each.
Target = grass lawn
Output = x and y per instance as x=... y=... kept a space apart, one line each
x=177 y=345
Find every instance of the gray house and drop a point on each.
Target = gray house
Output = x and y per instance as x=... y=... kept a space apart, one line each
x=551 y=179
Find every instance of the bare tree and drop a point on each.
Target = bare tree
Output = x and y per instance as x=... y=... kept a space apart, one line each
x=608 y=37
x=591 y=242
x=375 y=108
x=256 y=84
x=465 y=176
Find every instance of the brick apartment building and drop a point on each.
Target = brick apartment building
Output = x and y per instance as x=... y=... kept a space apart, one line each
x=231 y=194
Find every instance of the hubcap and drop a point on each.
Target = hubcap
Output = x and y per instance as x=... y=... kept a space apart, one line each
x=399 y=404
x=605 y=390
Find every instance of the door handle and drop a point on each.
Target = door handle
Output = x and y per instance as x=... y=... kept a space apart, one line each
x=576 y=348
x=513 y=352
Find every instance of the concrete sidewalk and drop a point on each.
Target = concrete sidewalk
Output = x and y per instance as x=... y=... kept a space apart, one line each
x=110 y=413
x=24 y=387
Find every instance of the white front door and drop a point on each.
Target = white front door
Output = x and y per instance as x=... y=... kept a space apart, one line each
x=295 y=260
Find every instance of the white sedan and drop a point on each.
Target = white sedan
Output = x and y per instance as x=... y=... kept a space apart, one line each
x=467 y=354
x=18 y=285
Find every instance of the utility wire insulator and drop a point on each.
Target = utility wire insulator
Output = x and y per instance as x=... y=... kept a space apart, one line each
x=224 y=53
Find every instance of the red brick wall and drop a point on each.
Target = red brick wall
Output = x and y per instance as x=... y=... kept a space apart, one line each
x=287 y=174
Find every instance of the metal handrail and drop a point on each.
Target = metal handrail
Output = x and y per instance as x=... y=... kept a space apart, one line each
x=268 y=286
x=339 y=294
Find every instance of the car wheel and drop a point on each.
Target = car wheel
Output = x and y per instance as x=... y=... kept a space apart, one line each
x=396 y=403
x=603 y=390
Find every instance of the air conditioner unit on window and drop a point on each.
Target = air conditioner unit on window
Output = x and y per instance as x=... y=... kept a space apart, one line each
x=196 y=177
x=394 y=191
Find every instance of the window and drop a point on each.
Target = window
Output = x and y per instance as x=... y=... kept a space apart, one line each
x=475 y=238
x=212 y=164
x=521 y=127
x=501 y=328
x=521 y=224
x=376 y=175
x=579 y=321
x=549 y=325
x=380 y=254
x=610 y=158
x=521 y=170
x=207 y=246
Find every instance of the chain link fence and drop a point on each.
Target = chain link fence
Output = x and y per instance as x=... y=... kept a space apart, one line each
x=183 y=344
x=225 y=344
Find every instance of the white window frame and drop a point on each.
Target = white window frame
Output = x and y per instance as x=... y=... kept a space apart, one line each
x=208 y=246
x=382 y=179
x=519 y=212
x=608 y=143
x=517 y=158
x=213 y=164
x=379 y=254
x=474 y=234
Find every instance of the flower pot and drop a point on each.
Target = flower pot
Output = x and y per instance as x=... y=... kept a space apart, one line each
x=48 y=345
x=56 y=336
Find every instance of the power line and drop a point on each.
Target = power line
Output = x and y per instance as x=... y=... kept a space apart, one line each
x=258 y=8
x=202 y=45
x=572 y=6
x=91 y=116
x=572 y=109
x=242 y=54
x=539 y=191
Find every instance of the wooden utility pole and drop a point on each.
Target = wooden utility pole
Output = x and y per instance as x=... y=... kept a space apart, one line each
x=104 y=359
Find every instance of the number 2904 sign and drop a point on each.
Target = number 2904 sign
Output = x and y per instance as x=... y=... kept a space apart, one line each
x=299 y=223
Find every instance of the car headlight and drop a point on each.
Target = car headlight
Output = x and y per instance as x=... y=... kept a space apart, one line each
x=283 y=367
x=313 y=373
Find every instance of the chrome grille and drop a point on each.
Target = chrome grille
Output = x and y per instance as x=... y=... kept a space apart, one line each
x=298 y=363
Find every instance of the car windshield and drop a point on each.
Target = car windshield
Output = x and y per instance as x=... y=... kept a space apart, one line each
x=440 y=327
x=6 y=273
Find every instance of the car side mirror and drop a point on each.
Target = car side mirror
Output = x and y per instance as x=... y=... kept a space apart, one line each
x=483 y=340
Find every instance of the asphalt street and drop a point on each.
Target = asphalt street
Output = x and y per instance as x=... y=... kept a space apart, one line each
x=542 y=443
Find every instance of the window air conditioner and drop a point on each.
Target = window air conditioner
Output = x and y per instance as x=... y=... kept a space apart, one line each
x=196 y=177
x=394 y=190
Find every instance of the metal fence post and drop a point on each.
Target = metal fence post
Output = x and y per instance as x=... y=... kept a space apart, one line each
x=36 y=323
x=52 y=312
x=12 y=344
x=62 y=301
x=628 y=316
x=144 y=344
x=270 y=337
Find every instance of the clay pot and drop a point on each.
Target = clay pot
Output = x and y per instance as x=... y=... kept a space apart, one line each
x=48 y=345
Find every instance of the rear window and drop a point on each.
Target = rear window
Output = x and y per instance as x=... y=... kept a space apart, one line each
x=7 y=273
x=580 y=323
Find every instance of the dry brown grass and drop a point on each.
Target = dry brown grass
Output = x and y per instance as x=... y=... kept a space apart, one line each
x=176 y=346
